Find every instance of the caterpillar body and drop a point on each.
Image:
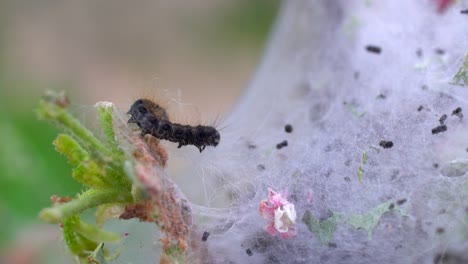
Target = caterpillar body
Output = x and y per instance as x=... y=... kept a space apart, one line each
x=153 y=119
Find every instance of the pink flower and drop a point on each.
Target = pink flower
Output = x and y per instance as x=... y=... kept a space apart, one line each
x=442 y=5
x=281 y=214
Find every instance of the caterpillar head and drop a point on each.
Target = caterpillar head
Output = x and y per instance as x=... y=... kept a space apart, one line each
x=142 y=107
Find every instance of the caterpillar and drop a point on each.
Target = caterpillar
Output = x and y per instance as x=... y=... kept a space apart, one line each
x=154 y=120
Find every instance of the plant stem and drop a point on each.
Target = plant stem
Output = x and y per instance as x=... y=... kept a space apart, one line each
x=91 y=198
x=105 y=116
x=50 y=111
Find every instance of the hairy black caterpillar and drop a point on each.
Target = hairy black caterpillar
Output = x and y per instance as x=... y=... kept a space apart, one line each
x=153 y=119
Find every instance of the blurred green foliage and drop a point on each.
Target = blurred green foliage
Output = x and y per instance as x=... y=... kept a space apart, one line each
x=247 y=21
x=31 y=170
x=238 y=24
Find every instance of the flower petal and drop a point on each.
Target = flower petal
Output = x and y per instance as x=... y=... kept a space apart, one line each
x=292 y=232
x=270 y=228
x=266 y=209
x=281 y=213
x=275 y=198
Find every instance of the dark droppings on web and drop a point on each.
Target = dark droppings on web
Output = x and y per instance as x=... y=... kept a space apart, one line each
x=420 y=108
x=250 y=145
x=381 y=96
x=440 y=51
x=435 y=165
x=442 y=119
x=374 y=49
x=401 y=201
x=419 y=53
x=249 y=252
x=282 y=144
x=424 y=87
x=347 y=179
x=440 y=230
x=288 y=128
x=386 y=144
x=356 y=75
x=458 y=112
x=261 y=167
x=391 y=206
x=205 y=236
x=464 y=11
x=439 y=129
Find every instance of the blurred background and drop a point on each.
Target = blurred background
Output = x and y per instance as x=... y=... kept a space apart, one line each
x=205 y=51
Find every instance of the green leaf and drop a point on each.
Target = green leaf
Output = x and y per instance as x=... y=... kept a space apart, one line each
x=69 y=235
x=90 y=174
x=77 y=243
x=323 y=229
x=360 y=169
x=83 y=238
x=108 y=211
x=94 y=233
x=98 y=255
x=175 y=254
x=99 y=166
x=70 y=148
x=88 y=199
x=461 y=77
x=116 y=174
x=353 y=109
x=369 y=220
x=105 y=110
x=52 y=108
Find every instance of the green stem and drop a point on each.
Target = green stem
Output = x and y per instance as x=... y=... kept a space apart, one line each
x=84 y=135
x=50 y=111
x=90 y=199
x=105 y=115
x=94 y=233
x=70 y=148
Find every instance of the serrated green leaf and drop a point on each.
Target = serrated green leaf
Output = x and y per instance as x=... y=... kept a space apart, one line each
x=323 y=229
x=369 y=220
